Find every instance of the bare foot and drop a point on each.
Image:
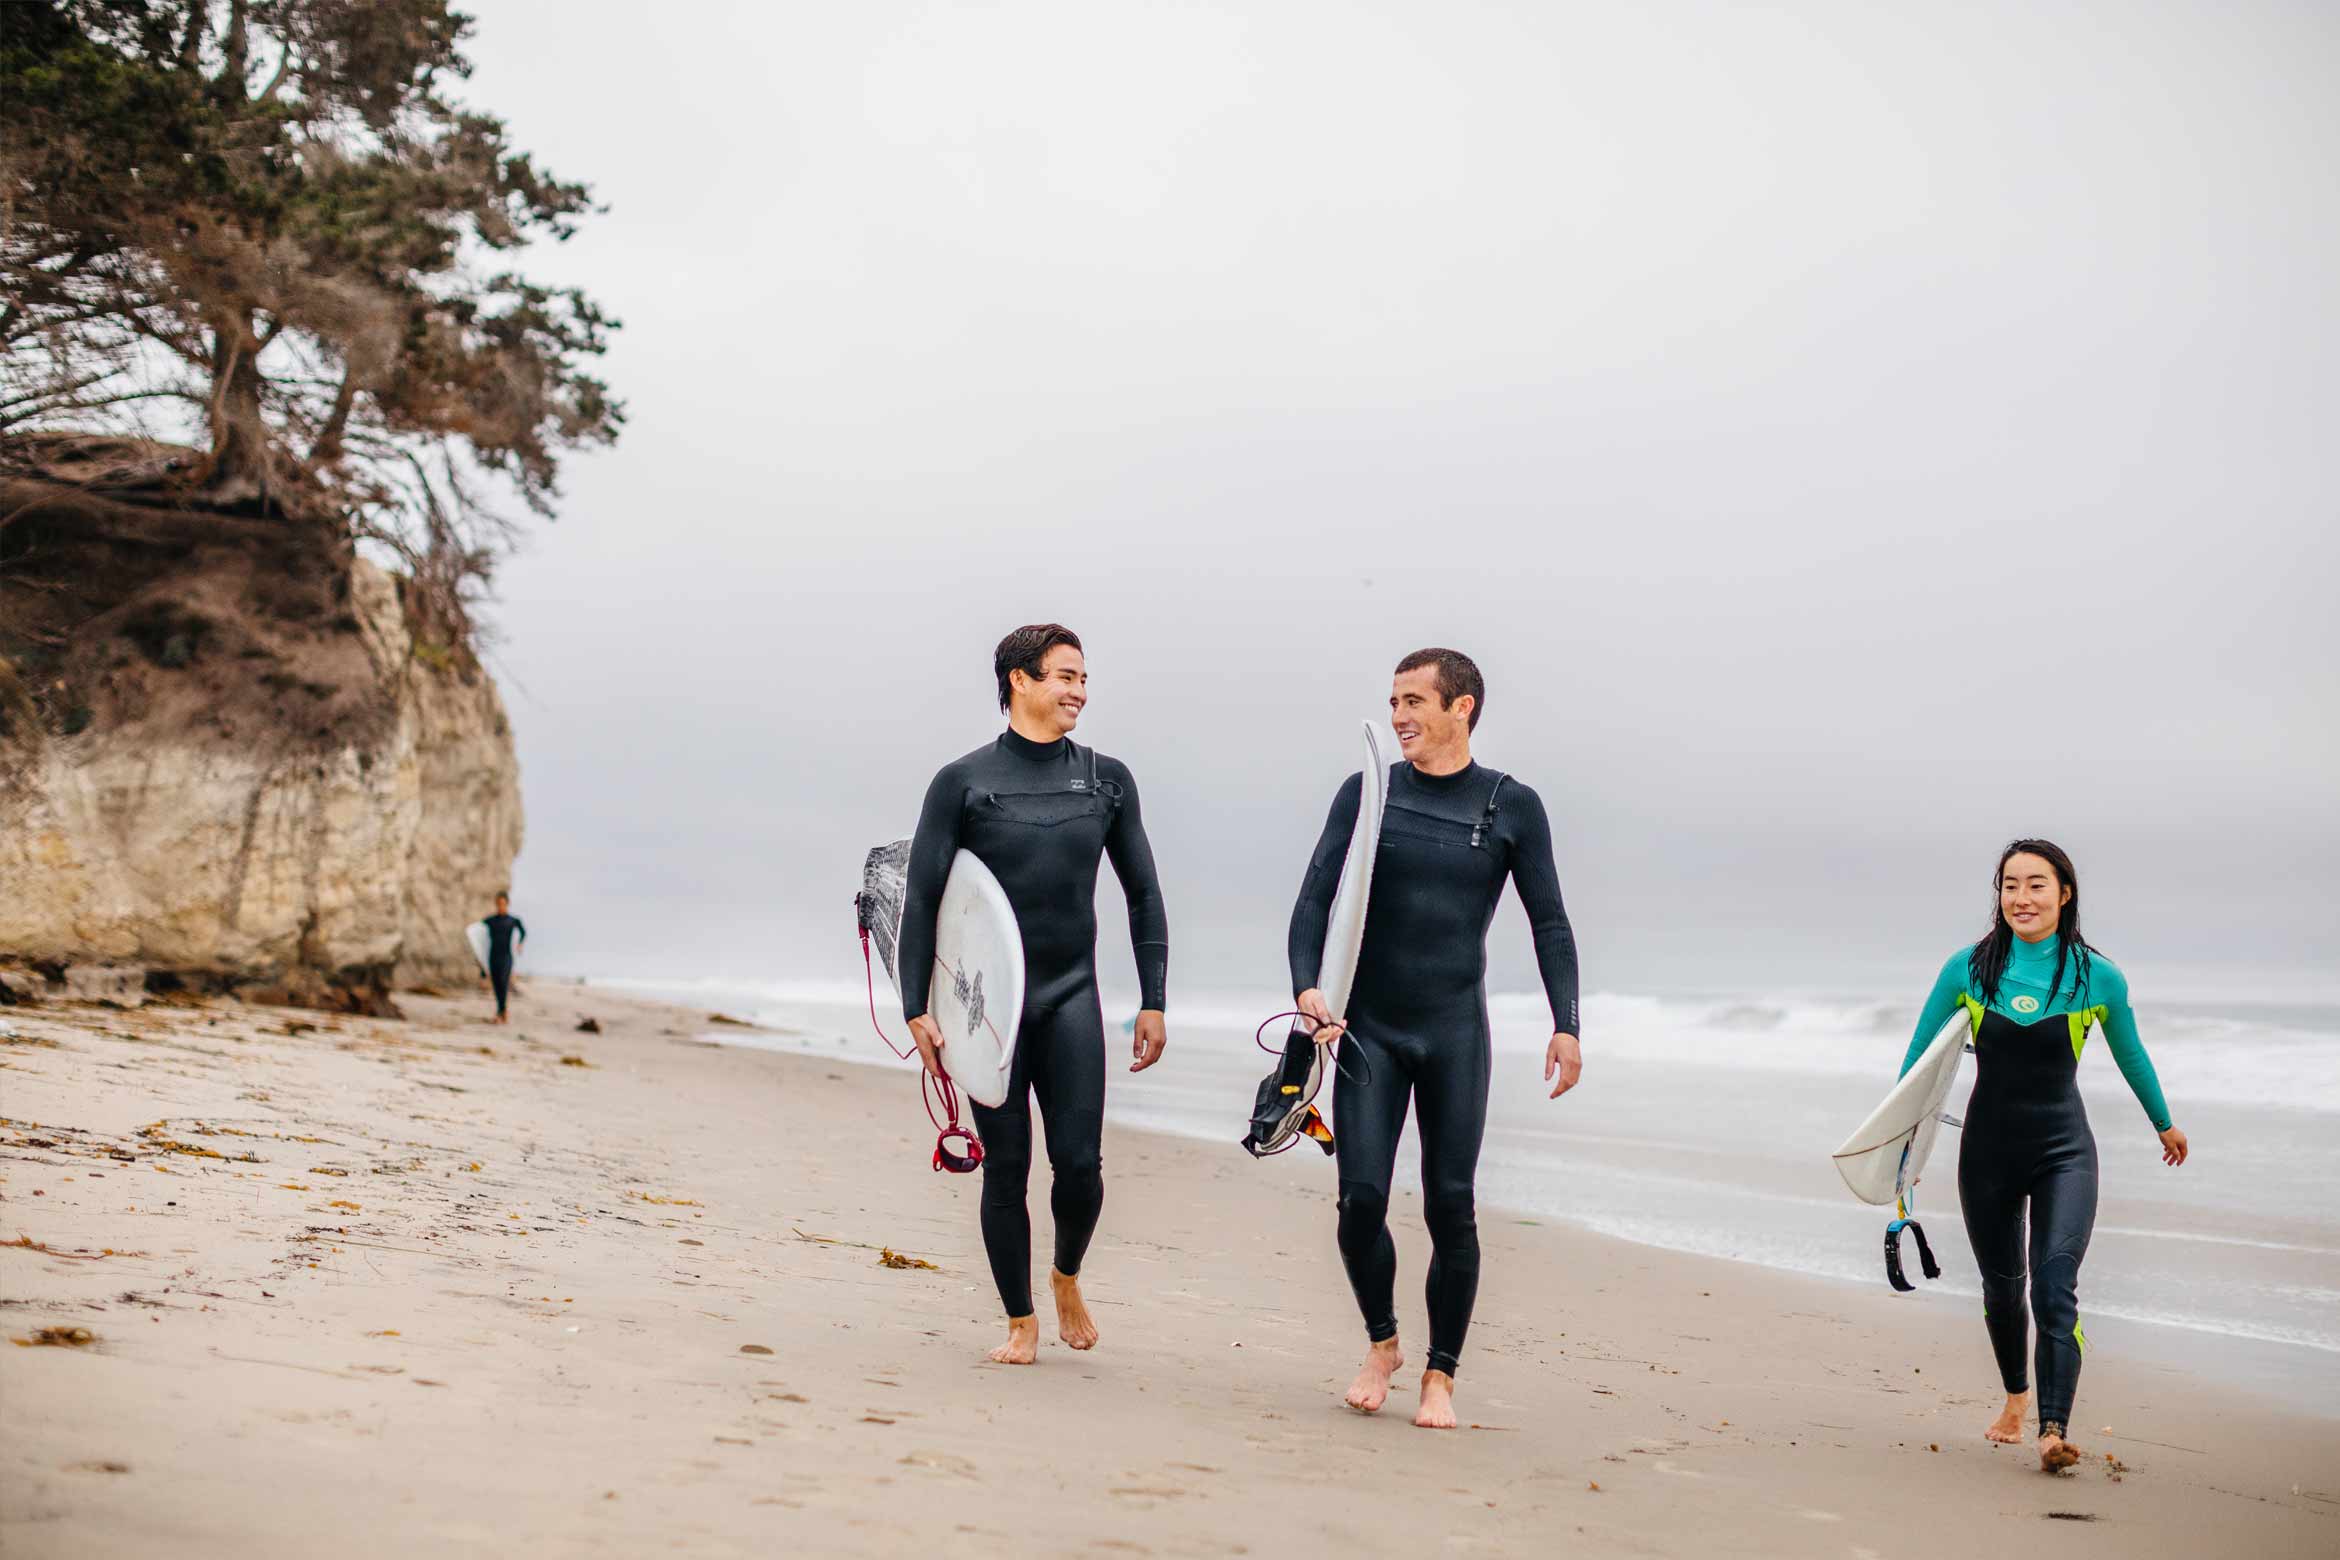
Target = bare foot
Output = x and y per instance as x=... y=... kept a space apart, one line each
x=1437 y=1408
x=2056 y=1454
x=2007 y=1429
x=1073 y=1323
x=1371 y=1388
x=1023 y=1345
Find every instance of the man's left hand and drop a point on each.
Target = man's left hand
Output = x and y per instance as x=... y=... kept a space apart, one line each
x=1146 y=1045
x=1563 y=1058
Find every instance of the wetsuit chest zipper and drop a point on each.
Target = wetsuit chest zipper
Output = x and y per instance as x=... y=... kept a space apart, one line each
x=1486 y=824
x=1440 y=830
x=1083 y=797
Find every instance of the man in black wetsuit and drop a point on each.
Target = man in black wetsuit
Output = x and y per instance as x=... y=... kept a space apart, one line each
x=1417 y=1021
x=1039 y=810
x=505 y=934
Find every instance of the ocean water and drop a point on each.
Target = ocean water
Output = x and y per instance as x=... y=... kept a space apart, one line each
x=1704 y=1125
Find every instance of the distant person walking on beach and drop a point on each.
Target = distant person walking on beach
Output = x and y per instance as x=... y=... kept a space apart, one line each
x=2033 y=989
x=1452 y=832
x=1039 y=810
x=505 y=934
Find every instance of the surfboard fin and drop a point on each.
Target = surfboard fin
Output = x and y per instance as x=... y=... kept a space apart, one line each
x=1314 y=1127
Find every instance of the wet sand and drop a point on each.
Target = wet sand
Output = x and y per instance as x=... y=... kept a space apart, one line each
x=367 y=1287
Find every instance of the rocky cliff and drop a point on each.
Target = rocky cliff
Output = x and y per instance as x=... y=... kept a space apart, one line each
x=228 y=755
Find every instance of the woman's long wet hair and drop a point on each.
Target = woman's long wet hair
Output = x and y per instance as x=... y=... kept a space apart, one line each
x=1988 y=961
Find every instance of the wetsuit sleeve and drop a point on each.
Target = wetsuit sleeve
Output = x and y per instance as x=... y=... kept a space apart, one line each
x=931 y=851
x=1313 y=909
x=2120 y=1033
x=1149 y=921
x=519 y=929
x=1538 y=881
x=1940 y=1003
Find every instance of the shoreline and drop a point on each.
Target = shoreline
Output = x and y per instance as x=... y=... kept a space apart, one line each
x=2290 y=1366
x=635 y=1300
x=2295 y=1375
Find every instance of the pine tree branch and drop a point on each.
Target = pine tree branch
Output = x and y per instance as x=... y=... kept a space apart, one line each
x=79 y=258
x=191 y=43
x=238 y=48
x=58 y=393
x=327 y=449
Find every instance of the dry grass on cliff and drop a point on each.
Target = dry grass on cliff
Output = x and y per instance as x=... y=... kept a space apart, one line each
x=128 y=611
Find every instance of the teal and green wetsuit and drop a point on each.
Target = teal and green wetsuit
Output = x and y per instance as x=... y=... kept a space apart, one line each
x=2026 y=1137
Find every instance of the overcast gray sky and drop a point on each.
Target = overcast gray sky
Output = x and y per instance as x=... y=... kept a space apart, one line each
x=1848 y=436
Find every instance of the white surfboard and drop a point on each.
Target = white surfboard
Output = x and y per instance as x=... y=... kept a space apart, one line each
x=1887 y=1153
x=1344 y=933
x=977 y=994
x=476 y=934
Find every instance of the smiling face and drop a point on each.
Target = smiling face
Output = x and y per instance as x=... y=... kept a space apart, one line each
x=2031 y=896
x=1429 y=730
x=1051 y=702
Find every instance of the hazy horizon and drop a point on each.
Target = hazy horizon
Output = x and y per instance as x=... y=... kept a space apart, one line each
x=1848 y=440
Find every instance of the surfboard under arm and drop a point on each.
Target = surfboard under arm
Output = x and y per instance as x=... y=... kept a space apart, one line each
x=1344 y=938
x=977 y=992
x=1886 y=1153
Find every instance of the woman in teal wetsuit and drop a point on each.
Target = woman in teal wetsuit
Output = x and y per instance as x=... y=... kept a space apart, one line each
x=2034 y=989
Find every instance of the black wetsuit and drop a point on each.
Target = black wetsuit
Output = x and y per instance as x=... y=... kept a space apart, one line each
x=1418 y=1014
x=2026 y=1140
x=1039 y=815
x=504 y=932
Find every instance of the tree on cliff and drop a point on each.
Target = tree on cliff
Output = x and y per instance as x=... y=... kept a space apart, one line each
x=263 y=226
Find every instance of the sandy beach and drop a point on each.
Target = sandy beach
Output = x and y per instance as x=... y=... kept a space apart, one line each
x=368 y=1286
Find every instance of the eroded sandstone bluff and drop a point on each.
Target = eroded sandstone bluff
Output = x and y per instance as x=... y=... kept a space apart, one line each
x=230 y=755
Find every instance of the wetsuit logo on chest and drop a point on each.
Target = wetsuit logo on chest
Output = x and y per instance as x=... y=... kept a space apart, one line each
x=2025 y=1004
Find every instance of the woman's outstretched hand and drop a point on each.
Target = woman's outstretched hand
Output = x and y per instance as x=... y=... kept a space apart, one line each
x=2173 y=1146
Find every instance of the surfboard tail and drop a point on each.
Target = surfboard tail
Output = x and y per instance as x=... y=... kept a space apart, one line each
x=1886 y=1154
x=1872 y=1174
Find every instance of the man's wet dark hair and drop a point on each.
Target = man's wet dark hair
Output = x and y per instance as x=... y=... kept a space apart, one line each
x=1024 y=650
x=1458 y=674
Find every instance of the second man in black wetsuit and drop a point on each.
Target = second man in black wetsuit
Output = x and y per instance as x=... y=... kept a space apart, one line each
x=1039 y=810
x=1452 y=832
